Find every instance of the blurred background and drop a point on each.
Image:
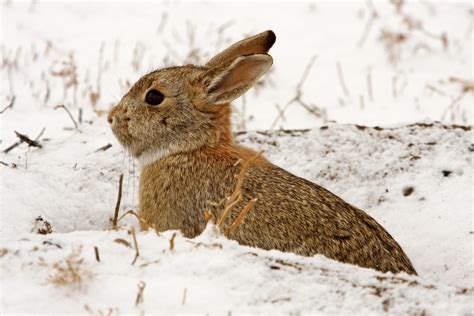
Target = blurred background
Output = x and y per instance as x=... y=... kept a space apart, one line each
x=363 y=62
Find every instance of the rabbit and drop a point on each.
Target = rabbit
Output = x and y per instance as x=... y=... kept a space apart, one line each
x=176 y=122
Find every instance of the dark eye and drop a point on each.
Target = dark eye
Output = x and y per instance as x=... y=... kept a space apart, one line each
x=154 y=97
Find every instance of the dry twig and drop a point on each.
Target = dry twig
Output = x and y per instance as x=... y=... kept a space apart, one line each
x=207 y=215
x=240 y=217
x=435 y=89
x=149 y=262
x=117 y=204
x=340 y=75
x=123 y=242
x=183 y=301
x=135 y=245
x=96 y=252
x=135 y=214
x=369 y=84
x=104 y=148
x=141 y=288
x=466 y=85
x=172 y=241
x=368 y=26
x=297 y=98
x=236 y=196
x=10 y=105
x=62 y=106
x=163 y=20
x=26 y=139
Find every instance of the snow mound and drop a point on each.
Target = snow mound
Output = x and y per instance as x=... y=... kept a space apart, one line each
x=207 y=274
x=415 y=180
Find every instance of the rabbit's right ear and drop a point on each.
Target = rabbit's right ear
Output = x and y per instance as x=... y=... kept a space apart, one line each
x=257 y=44
x=232 y=81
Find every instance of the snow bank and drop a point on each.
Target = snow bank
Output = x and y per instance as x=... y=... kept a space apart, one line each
x=74 y=187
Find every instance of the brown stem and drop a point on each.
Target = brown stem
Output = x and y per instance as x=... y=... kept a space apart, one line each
x=117 y=205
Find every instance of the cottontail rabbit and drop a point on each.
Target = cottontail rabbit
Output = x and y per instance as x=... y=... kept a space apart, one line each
x=176 y=121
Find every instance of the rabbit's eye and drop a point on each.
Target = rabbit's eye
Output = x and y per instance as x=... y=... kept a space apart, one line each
x=154 y=97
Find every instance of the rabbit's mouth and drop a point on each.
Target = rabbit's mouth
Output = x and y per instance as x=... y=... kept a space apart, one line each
x=133 y=145
x=122 y=134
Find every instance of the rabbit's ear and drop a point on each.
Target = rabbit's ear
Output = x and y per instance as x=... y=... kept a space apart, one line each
x=257 y=44
x=234 y=80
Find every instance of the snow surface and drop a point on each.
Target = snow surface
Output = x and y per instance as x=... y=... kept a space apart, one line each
x=73 y=185
x=74 y=188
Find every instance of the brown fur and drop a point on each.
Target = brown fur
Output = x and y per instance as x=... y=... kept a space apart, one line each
x=188 y=159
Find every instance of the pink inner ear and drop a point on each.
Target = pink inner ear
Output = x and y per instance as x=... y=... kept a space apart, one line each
x=243 y=73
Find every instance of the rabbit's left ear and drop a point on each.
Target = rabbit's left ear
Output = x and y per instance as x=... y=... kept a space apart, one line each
x=257 y=44
x=232 y=81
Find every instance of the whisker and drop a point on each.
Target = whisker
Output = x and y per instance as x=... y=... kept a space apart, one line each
x=123 y=159
x=127 y=187
x=133 y=183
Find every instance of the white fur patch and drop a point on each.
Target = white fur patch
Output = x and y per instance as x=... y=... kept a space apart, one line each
x=152 y=156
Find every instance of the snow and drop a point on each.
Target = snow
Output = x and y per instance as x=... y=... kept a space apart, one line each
x=211 y=274
x=368 y=167
x=73 y=185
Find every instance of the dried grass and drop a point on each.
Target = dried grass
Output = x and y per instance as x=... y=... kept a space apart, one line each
x=42 y=226
x=313 y=109
x=135 y=245
x=117 y=204
x=183 y=301
x=467 y=86
x=109 y=311
x=240 y=217
x=172 y=241
x=62 y=106
x=141 y=288
x=70 y=271
x=67 y=70
x=235 y=197
x=370 y=22
x=409 y=29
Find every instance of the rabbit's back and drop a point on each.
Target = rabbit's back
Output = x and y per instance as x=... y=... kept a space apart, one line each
x=293 y=214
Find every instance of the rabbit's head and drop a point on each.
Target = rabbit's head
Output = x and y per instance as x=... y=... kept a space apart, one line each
x=180 y=109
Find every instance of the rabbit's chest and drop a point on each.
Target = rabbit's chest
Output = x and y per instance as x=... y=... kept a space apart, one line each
x=175 y=196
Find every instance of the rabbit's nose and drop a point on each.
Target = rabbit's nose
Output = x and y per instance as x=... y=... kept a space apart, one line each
x=110 y=117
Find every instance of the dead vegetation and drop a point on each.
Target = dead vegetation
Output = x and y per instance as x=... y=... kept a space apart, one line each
x=454 y=111
x=409 y=32
x=67 y=71
x=42 y=226
x=102 y=312
x=405 y=33
x=227 y=203
x=10 y=105
x=139 y=298
x=117 y=204
x=60 y=76
x=62 y=106
x=66 y=78
x=311 y=108
x=230 y=201
x=25 y=139
x=70 y=271
x=135 y=245
x=96 y=252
